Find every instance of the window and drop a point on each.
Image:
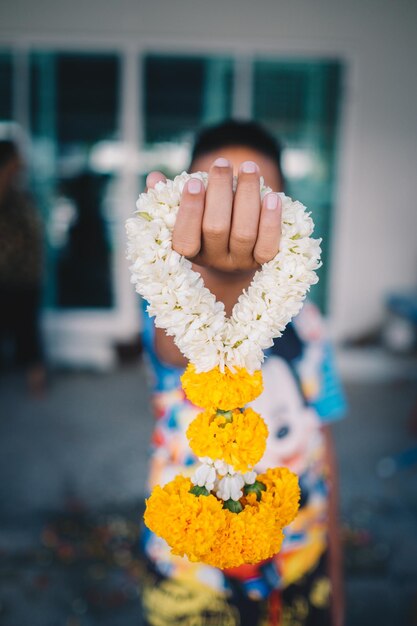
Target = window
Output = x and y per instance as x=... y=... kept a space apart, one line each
x=299 y=102
x=181 y=95
x=74 y=106
x=6 y=86
x=78 y=155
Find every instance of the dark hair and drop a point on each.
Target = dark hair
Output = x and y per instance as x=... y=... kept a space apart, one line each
x=238 y=133
x=8 y=151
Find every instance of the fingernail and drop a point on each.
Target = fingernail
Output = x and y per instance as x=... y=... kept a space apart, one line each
x=271 y=201
x=194 y=185
x=249 y=167
x=221 y=162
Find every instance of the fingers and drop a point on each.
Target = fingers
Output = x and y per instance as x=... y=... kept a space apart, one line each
x=153 y=178
x=246 y=211
x=186 y=237
x=223 y=229
x=218 y=209
x=269 y=232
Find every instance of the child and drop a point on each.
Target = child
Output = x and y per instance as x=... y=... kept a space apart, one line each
x=227 y=236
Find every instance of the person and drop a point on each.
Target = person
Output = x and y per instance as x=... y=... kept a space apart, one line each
x=83 y=270
x=227 y=235
x=21 y=268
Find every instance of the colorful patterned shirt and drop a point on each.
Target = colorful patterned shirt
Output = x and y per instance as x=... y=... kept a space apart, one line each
x=301 y=393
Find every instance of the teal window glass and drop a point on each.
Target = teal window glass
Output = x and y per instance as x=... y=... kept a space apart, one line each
x=74 y=105
x=6 y=86
x=181 y=94
x=299 y=101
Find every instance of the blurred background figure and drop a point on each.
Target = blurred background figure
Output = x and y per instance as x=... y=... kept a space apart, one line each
x=21 y=271
x=84 y=265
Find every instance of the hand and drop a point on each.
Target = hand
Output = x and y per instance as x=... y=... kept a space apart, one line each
x=223 y=231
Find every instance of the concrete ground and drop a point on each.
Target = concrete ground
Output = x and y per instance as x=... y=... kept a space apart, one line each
x=73 y=467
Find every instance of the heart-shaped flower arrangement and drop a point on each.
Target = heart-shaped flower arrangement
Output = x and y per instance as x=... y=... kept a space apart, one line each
x=225 y=515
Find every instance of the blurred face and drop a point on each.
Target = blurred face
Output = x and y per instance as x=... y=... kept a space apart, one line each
x=236 y=155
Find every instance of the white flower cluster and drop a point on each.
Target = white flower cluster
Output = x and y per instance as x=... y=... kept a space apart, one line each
x=222 y=478
x=190 y=312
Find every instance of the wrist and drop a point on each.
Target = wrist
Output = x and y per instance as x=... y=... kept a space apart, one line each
x=224 y=276
x=226 y=286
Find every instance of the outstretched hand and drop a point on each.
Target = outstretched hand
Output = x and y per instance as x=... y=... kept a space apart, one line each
x=225 y=231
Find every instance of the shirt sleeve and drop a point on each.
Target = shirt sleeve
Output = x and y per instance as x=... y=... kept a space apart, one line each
x=317 y=368
x=330 y=402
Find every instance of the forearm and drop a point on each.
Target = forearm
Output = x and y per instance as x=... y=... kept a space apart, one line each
x=226 y=287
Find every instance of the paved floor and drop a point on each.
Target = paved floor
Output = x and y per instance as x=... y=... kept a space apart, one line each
x=73 y=466
x=87 y=438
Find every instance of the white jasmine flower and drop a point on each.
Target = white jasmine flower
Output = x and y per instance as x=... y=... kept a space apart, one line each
x=221 y=467
x=230 y=487
x=249 y=478
x=205 y=476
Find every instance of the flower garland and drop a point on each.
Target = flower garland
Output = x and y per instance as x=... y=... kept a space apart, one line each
x=189 y=311
x=226 y=514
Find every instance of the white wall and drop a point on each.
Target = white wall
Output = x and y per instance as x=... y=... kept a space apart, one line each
x=376 y=219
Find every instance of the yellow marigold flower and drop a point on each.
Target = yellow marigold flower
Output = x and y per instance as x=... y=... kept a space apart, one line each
x=188 y=523
x=248 y=537
x=282 y=493
x=226 y=391
x=238 y=438
x=201 y=529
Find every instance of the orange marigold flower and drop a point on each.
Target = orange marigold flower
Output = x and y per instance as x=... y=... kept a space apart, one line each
x=237 y=437
x=224 y=390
